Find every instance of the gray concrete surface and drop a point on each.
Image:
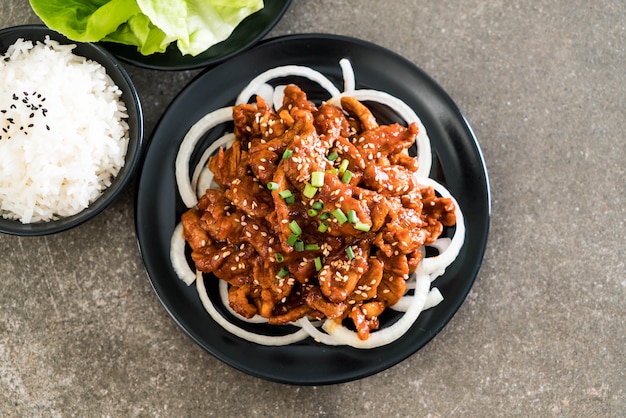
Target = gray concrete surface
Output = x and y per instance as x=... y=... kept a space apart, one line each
x=543 y=331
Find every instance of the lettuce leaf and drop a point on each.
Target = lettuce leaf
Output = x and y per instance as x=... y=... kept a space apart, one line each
x=150 y=25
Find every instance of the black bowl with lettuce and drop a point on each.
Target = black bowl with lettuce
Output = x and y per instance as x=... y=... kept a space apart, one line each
x=165 y=35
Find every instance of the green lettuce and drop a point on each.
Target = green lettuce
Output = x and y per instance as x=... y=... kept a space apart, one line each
x=150 y=25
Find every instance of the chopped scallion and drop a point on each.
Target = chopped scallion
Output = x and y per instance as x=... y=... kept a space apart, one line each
x=279 y=257
x=309 y=190
x=317 y=178
x=290 y=200
x=291 y=240
x=283 y=272
x=287 y=154
x=347 y=176
x=285 y=193
x=312 y=212
x=318 y=263
x=340 y=216
x=295 y=228
x=352 y=218
x=311 y=247
x=332 y=156
x=323 y=227
x=343 y=166
x=324 y=216
x=361 y=226
x=318 y=205
x=272 y=186
x=299 y=246
x=350 y=253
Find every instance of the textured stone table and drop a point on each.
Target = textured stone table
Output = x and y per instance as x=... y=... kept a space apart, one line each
x=543 y=331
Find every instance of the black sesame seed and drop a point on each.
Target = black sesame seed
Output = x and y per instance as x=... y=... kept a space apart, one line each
x=47 y=127
x=30 y=125
x=15 y=96
x=3 y=111
x=13 y=106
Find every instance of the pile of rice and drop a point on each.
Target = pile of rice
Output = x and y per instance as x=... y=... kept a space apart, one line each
x=63 y=133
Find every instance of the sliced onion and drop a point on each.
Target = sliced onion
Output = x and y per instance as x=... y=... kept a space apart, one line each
x=286 y=71
x=315 y=333
x=389 y=334
x=223 y=287
x=187 y=147
x=177 y=256
x=240 y=332
x=436 y=265
x=424 y=155
x=349 y=82
x=201 y=169
x=434 y=298
x=278 y=97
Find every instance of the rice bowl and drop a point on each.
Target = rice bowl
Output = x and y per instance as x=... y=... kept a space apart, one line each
x=69 y=146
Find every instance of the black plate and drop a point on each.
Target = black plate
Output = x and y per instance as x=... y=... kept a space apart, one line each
x=458 y=164
x=245 y=35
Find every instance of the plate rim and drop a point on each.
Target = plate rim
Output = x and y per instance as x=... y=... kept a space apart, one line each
x=484 y=237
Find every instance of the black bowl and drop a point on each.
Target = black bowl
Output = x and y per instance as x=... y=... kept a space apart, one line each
x=245 y=35
x=94 y=52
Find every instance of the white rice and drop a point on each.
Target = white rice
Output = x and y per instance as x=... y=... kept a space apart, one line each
x=63 y=133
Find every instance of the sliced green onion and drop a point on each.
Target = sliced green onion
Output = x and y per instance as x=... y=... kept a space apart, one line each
x=291 y=240
x=332 y=156
x=352 y=218
x=272 y=186
x=362 y=226
x=324 y=216
x=347 y=176
x=285 y=193
x=283 y=272
x=287 y=154
x=295 y=228
x=323 y=227
x=318 y=205
x=343 y=166
x=350 y=253
x=299 y=246
x=340 y=216
x=309 y=190
x=317 y=178
x=290 y=200
x=279 y=257
x=332 y=171
x=312 y=212
x=311 y=247
x=318 y=263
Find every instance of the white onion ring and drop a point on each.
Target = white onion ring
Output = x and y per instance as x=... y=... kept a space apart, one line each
x=223 y=287
x=437 y=265
x=387 y=335
x=240 y=332
x=177 y=256
x=224 y=141
x=424 y=154
x=434 y=298
x=286 y=71
x=349 y=81
x=187 y=146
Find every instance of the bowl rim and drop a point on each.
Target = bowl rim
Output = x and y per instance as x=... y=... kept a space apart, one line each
x=131 y=99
